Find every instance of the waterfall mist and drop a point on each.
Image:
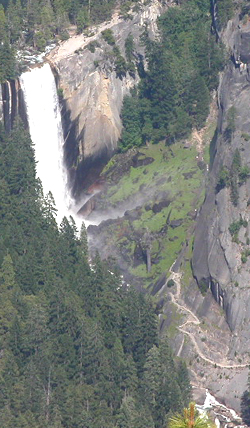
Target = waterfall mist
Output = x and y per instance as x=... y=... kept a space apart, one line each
x=44 y=119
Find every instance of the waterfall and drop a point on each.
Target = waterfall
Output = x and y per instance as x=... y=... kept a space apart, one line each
x=44 y=119
x=223 y=415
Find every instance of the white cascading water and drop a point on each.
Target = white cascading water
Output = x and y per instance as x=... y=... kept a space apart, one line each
x=211 y=403
x=44 y=118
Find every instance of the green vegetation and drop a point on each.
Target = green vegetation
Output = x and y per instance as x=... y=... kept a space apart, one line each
x=245 y=136
x=119 y=61
x=77 y=347
x=108 y=37
x=231 y=126
x=170 y=188
x=233 y=178
x=92 y=46
x=129 y=52
x=245 y=255
x=190 y=418
x=189 y=58
x=244 y=173
x=39 y=22
x=224 y=179
x=170 y=283
x=234 y=228
x=225 y=11
x=234 y=175
x=203 y=286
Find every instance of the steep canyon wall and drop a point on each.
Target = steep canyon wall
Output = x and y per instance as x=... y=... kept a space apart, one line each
x=220 y=258
x=93 y=93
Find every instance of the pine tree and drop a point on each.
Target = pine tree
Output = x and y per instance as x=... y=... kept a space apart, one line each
x=161 y=91
x=184 y=383
x=198 y=101
x=8 y=296
x=15 y=16
x=152 y=375
x=190 y=419
x=131 y=134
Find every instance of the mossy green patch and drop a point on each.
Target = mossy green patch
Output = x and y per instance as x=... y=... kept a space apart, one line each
x=167 y=193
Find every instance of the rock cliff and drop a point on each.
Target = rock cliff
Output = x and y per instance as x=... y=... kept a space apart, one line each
x=221 y=247
x=93 y=92
x=220 y=253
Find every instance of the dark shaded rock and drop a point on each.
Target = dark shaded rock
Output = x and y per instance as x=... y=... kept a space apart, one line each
x=192 y=214
x=158 y=207
x=12 y=104
x=201 y=165
x=159 y=284
x=173 y=238
x=138 y=161
x=160 y=305
x=244 y=47
x=188 y=175
x=139 y=256
x=132 y=214
x=175 y=223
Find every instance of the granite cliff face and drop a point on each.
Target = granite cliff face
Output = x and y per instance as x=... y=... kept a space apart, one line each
x=220 y=257
x=221 y=247
x=93 y=93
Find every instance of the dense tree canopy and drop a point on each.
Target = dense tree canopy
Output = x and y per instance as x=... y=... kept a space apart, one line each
x=77 y=348
x=183 y=66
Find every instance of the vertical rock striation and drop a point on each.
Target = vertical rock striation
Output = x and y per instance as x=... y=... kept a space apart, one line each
x=93 y=93
x=11 y=104
x=220 y=258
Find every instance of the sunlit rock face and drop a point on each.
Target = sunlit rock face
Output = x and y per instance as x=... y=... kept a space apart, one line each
x=93 y=94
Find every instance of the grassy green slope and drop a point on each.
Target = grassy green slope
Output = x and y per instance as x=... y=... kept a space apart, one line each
x=165 y=193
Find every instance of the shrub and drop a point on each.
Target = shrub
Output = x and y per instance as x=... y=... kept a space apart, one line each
x=245 y=136
x=92 y=46
x=203 y=287
x=245 y=255
x=230 y=129
x=235 y=227
x=170 y=283
x=243 y=174
x=108 y=36
x=60 y=93
x=224 y=179
x=120 y=63
x=243 y=258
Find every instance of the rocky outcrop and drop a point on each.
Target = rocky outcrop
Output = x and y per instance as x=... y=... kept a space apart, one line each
x=93 y=93
x=11 y=104
x=220 y=258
